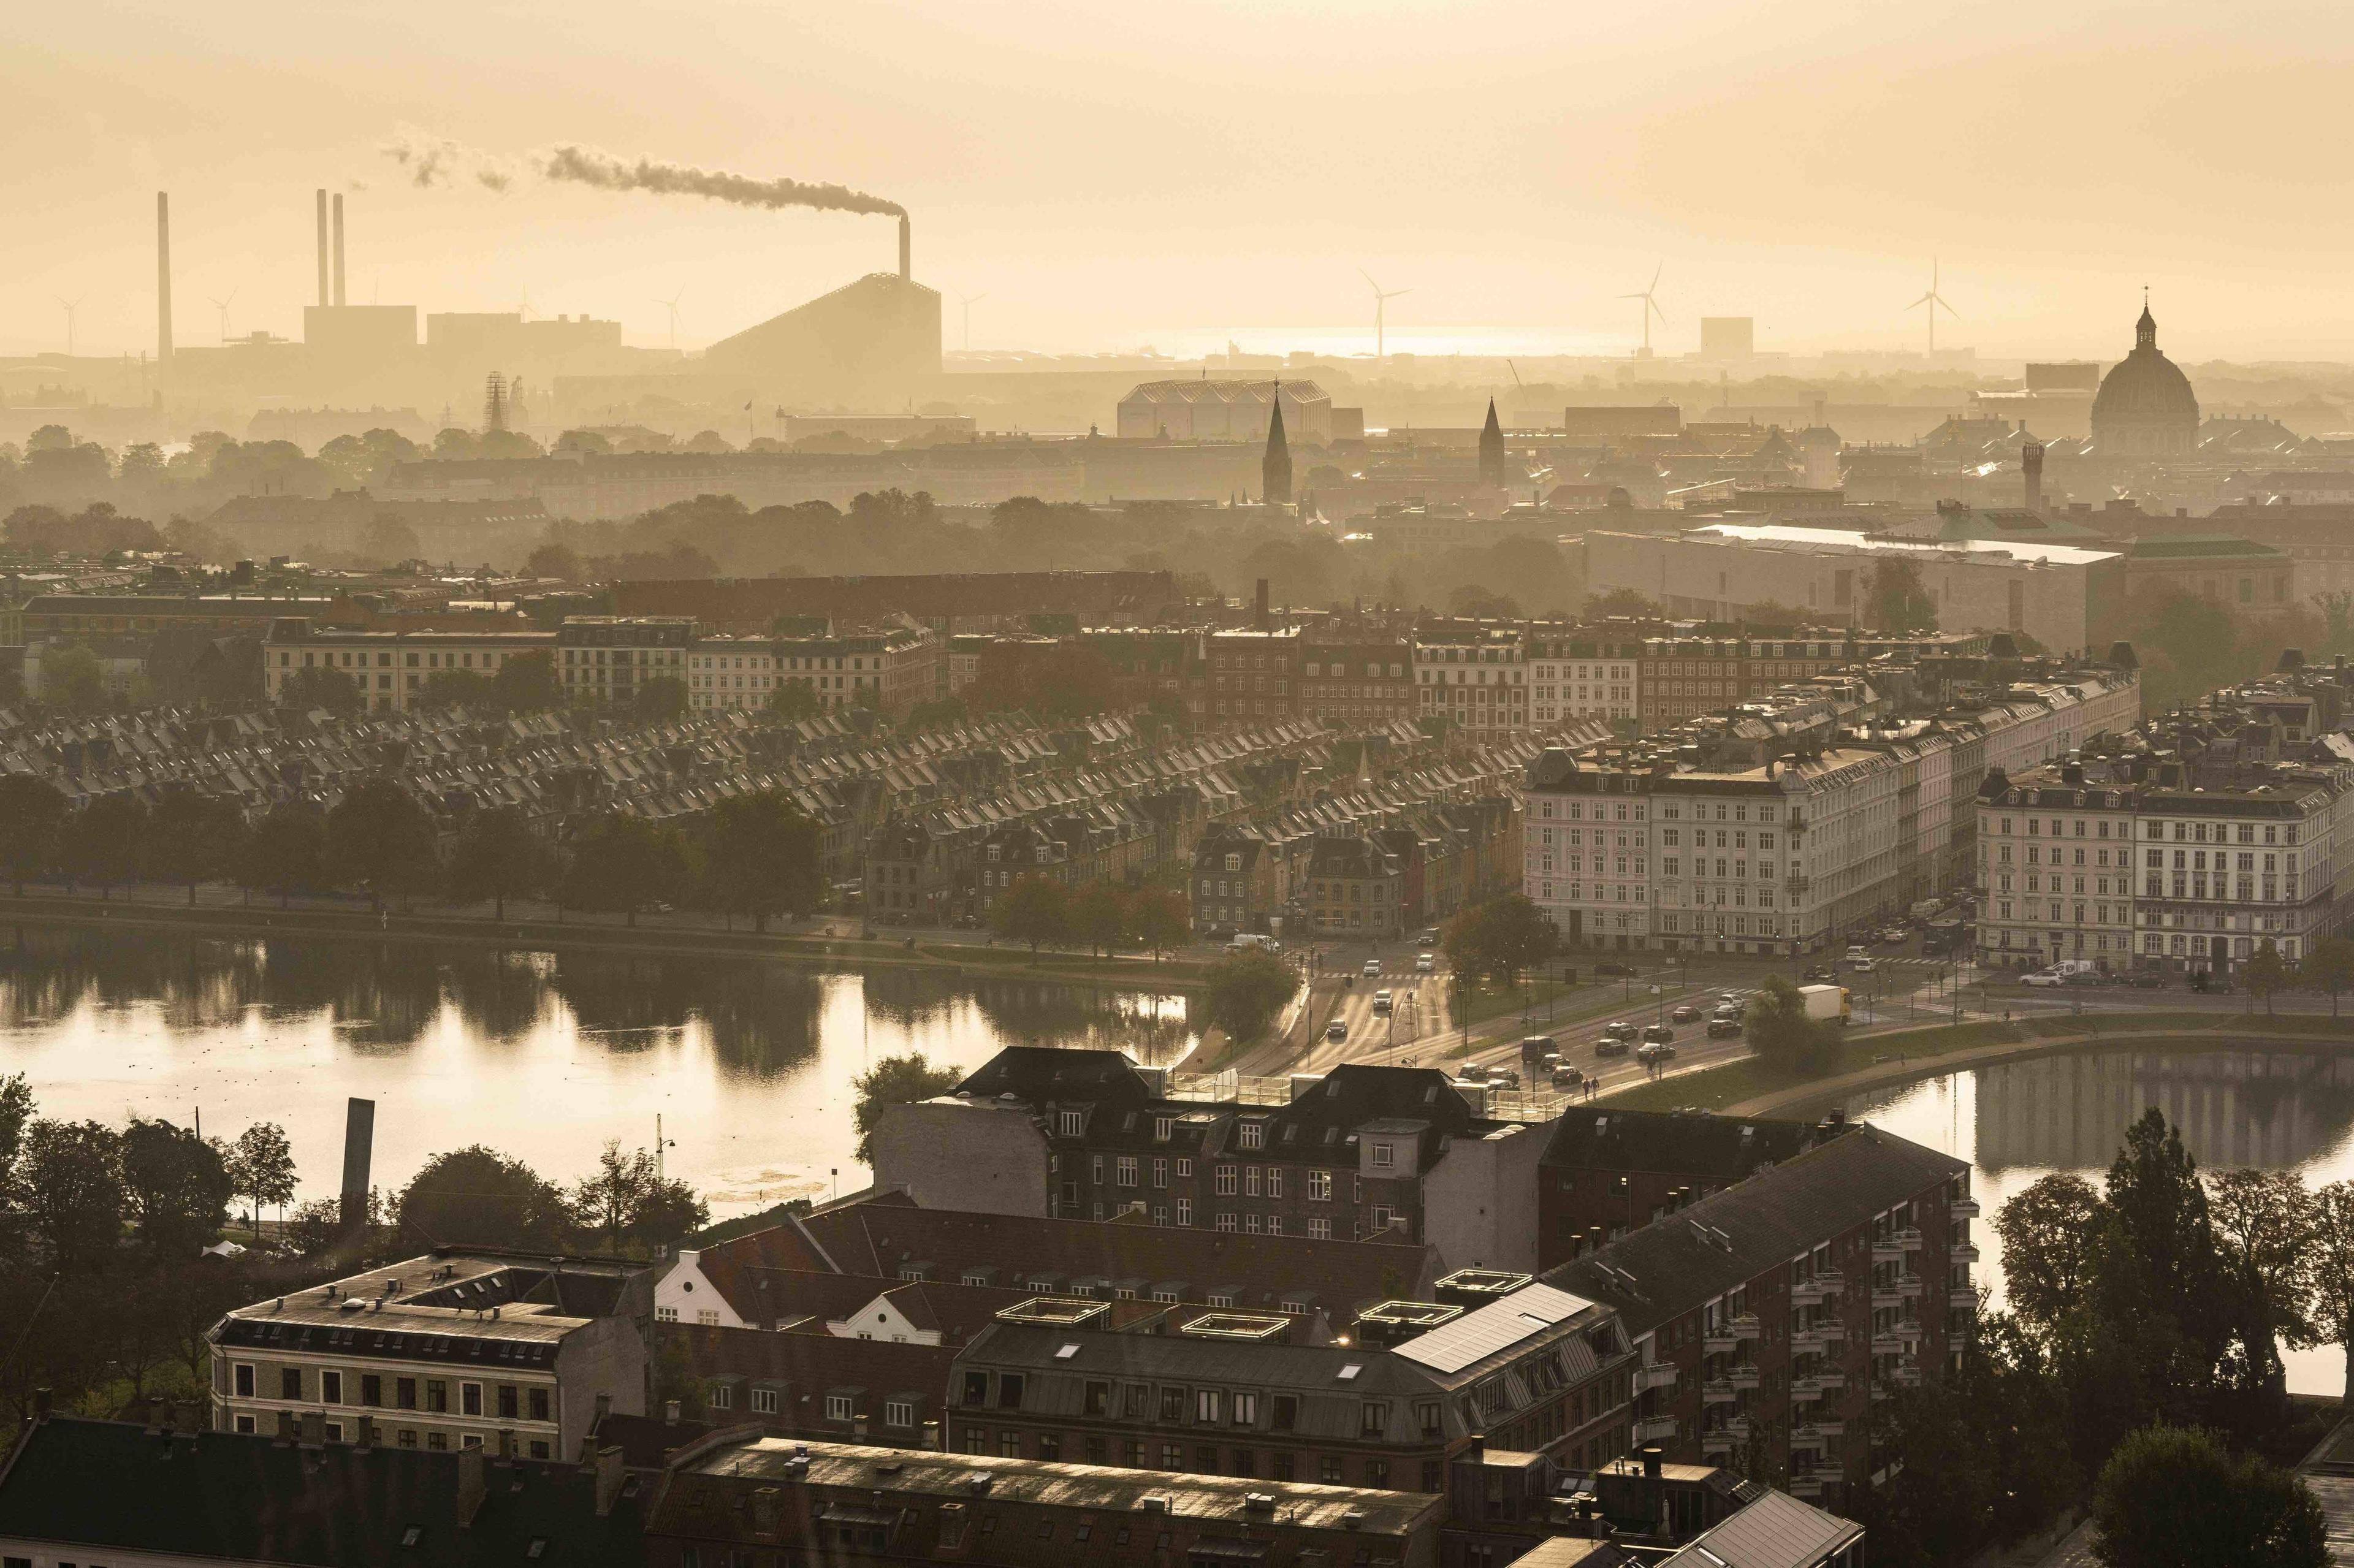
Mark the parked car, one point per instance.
(1684, 1013)
(1615, 971)
(2147, 979)
(1658, 1034)
(1337, 1030)
(2043, 977)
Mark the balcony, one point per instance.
(1655, 1429)
(1822, 1287)
(1887, 1249)
(1738, 1429)
(1961, 1209)
(1820, 1336)
(1962, 1299)
(1965, 1252)
(1831, 1379)
(1746, 1377)
(1744, 1326)
(1658, 1374)
(1908, 1288)
(1909, 1239)
(1816, 1433)
(1910, 1333)
(1720, 1341)
(1823, 1473)
(1718, 1442)
(1805, 1390)
(1806, 1487)
(1887, 1344)
(1717, 1391)
(1908, 1374)
(1884, 1297)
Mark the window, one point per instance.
(509, 1406)
(1244, 1406)
(1320, 1187)
(436, 1395)
(1283, 1412)
(1227, 1181)
(898, 1413)
(1382, 1154)
(721, 1397)
(1205, 1406)
(837, 1405)
(976, 1388)
(331, 1390)
(470, 1399)
(764, 1402)
(1070, 1123)
(290, 1382)
(1009, 1391)
(371, 1388)
(1254, 1135)
(244, 1381)
(1373, 1419)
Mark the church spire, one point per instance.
(2146, 329)
(1275, 467)
(1491, 449)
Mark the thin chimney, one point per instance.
(2030, 464)
(906, 250)
(339, 247)
(164, 277)
(325, 297)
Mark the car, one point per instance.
(1895, 935)
(1472, 1073)
(1684, 1013)
(1818, 974)
(1382, 1003)
(1430, 935)
(2088, 977)
(1855, 952)
(1655, 1051)
(1658, 1034)
(1504, 1077)
(1621, 1030)
(1615, 971)
(1568, 1077)
(2043, 977)
(1610, 1045)
(1862, 966)
(1373, 967)
(2147, 979)
(1425, 964)
(1723, 1028)
(1337, 1030)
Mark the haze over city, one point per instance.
(1113, 180)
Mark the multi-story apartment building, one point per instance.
(1771, 1317)
(724, 672)
(391, 668)
(1474, 676)
(457, 1348)
(730, 1498)
(1539, 1371)
(1577, 672)
(1356, 889)
(889, 668)
(78, 615)
(1684, 676)
(1243, 878)
(1779, 827)
(1250, 676)
(2188, 846)
(610, 658)
(1363, 1152)
(1358, 682)
(1615, 1171)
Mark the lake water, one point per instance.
(542, 1055)
(2021, 1120)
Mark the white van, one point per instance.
(1244, 941)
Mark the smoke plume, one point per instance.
(427, 159)
(582, 166)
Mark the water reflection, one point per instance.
(542, 1054)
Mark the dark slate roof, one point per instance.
(1766, 1221)
(646, 1442)
(1676, 1142)
(1777, 1531)
(109, 1487)
(1041, 1073)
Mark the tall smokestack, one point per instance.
(906, 249)
(339, 247)
(162, 276)
(2031, 465)
(324, 298)
(359, 1148)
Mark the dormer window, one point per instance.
(1234, 863)
(1254, 1135)
(1070, 1123)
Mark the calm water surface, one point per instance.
(543, 1055)
(2286, 1112)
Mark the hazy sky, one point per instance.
(1113, 175)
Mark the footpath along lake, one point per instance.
(542, 1055)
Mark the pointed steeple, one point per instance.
(2146, 329)
(1275, 468)
(1491, 449)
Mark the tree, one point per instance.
(763, 856)
(630, 1200)
(2050, 1237)
(894, 1081)
(2263, 975)
(2174, 1496)
(286, 850)
(1895, 601)
(177, 1187)
(15, 1116)
(71, 1182)
(1245, 991)
(72, 679)
(456, 689)
(106, 840)
(1626, 602)
(1100, 913)
(2161, 1207)
(2263, 1222)
(659, 700)
(622, 864)
(790, 702)
(1779, 1031)
(525, 683)
(2330, 1268)
(1035, 909)
(379, 838)
(2331, 967)
(1500, 939)
(477, 1196)
(261, 1167)
(194, 837)
(498, 857)
(318, 687)
(32, 827)
(1161, 920)
(315, 1227)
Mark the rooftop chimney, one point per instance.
(324, 298)
(339, 247)
(164, 277)
(907, 244)
(473, 1486)
(2030, 464)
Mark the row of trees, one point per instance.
(1101, 916)
(525, 682)
(2142, 1347)
(752, 855)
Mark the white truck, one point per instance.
(1825, 1003)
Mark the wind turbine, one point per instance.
(71, 306)
(1935, 302)
(971, 300)
(1381, 325)
(222, 306)
(671, 305)
(1651, 307)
